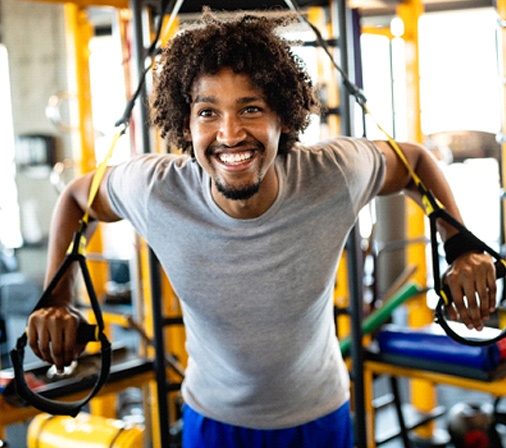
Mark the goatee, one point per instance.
(238, 193)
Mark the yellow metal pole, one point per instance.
(175, 335)
(422, 393)
(78, 34)
(501, 37)
(501, 10)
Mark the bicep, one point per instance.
(101, 208)
(397, 177)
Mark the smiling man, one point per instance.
(249, 226)
(235, 136)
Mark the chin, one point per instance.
(238, 193)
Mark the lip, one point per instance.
(235, 162)
(237, 158)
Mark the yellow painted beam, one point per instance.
(496, 388)
(86, 3)
(501, 36)
(79, 31)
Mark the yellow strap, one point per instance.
(427, 203)
(99, 175)
(82, 245)
(395, 147)
(95, 185)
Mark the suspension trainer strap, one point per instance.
(465, 241)
(85, 332)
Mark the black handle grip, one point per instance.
(87, 333)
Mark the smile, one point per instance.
(235, 158)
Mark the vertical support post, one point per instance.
(141, 112)
(355, 272)
(78, 31)
(159, 343)
(501, 55)
(142, 141)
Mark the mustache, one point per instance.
(244, 145)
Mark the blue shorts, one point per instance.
(331, 431)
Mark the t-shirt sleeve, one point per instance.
(363, 167)
(128, 187)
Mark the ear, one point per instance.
(285, 129)
(186, 130)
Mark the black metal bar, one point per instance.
(172, 321)
(315, 43)
(354, 256)
(142, 140)
(141, 112)
(332, 111)
(159, 344)
(354, 260)
(339, 13)
(394, 384)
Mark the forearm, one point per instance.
(52, 329)
(66, 219)
(471, 275)
(429, 172)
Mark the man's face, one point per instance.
(235, 133)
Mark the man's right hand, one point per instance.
(52, 334)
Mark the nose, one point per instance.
(231, 131)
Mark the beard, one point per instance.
(240, 193)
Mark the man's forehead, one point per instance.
(225, 83)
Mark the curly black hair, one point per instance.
(247, 44)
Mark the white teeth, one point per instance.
(231, 158)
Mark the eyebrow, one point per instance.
(243, 100)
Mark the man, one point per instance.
(249, 227)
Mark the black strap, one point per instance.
(85, 334)
(433, 208)
(443, 291)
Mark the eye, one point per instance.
(206, 113)
(252, 110)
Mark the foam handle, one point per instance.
(87, 333)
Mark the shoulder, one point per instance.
(339, 152)
(150, 166)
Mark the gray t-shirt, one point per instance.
(256, 294)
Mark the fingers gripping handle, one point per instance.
(445, 298)
(500, 272)
(85, 333)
